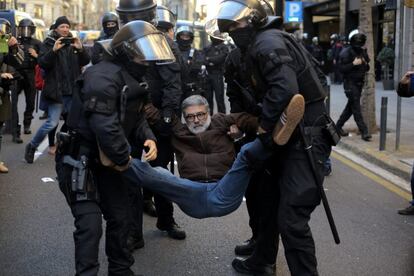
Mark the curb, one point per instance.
(393, 166)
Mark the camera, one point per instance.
(67, 41)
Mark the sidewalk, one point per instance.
(397, 162)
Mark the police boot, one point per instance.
(366, 137)
(16, 135)
(27, 130)
(289, 120)
(246, 266)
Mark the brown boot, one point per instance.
(3, 168)
(289, 120)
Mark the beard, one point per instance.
(196, 129)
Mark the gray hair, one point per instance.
(194, 100)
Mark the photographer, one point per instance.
(406, 89)
(26, 78)
(62, 57)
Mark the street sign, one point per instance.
(293, 11)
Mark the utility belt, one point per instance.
(75, 173)
(327, 129)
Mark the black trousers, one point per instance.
(267, 240)
(88, 222)
(299, 196)
(215, 87)
(27, 84)
(253, 199)
(163, 206)
(353, 90)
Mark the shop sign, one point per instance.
(293, 11)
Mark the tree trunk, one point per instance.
(368, 93)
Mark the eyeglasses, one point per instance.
(200, 116)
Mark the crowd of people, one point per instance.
(143, 95)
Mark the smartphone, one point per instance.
(412, 82)
(67, 41)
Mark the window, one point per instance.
(38, 11)
(21, 7)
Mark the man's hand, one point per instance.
(12, 41)
(58, 45)
(260, 130)
(406, 78)
(152, 150)
(152, 114)
(33, 52)
(77, 43)
(6, 76)
(357, 61)
(234, 132)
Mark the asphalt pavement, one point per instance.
(36, 228)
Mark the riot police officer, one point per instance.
(195, 74)
(110, 27)
(354, 63)
(261, 194)
(26, 77)
(164, 82)
(215, 55)
(317, 51)
(106, 120)
(280, 68)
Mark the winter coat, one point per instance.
(61, 68)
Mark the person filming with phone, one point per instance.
(61, 56)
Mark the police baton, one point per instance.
(308, 149)
(37, 101)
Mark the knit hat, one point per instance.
(61, 20)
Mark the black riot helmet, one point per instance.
(107, 18)
(357, 39)
(26, 28)
(184, 37)
(267, 7)
(141, 42)
(166, 19)
(130, 10)
(5, 27)
(230, 11)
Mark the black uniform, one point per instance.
(26, 82)
(215, 56)
(261, 194)
(281, 68)
(165, 92)
(353, 83)
(193, 79)
(116, 127)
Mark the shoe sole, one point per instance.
(289, 120)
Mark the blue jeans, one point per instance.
(54, 111)
(201, 200)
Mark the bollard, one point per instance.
(328, 99)
(383, 126)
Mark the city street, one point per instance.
(36, 229)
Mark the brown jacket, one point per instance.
(209, 155)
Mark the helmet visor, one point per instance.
(152, 47)
(212, 29)
(228, 13)
(25, 31)
(148, 16)
(4, 29)
(166, 16)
